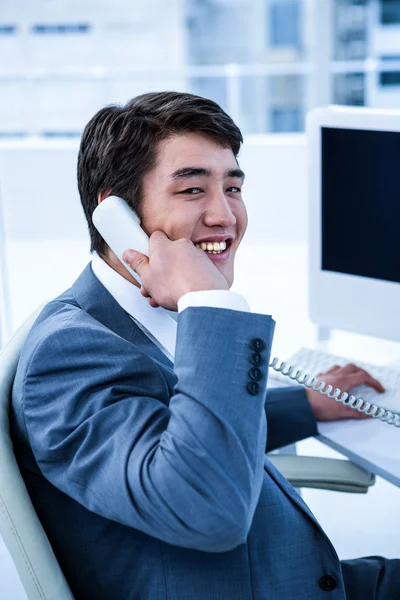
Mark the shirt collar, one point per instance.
(156, 320)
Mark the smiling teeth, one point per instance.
(212, 247)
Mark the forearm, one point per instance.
(217, 427)
(289, 415)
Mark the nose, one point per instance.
(219, 212)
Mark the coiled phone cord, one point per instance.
(372, 410)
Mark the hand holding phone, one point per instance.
(175, 268)
(166, 269)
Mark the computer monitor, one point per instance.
(354, 220)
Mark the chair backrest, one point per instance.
(20, 527)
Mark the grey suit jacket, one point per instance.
(150, 479)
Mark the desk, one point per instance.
(368, 444)
(373, 445)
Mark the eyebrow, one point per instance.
(187, 172)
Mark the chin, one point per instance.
(228, 276)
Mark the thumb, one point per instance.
(136, 260)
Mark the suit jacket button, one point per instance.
(255, 374)
(327, 583)
(257, 344)
(253, 387)
(256, 359)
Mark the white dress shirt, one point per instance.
(157, 323)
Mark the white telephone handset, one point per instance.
(120, 227)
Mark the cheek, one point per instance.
(182, 221)
(157, 216)
(242, 219)
(151, 217)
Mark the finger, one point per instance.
(157, 237)
(144, 292)
(374, 383)
(153, 303)
(369, 380)
(361, 377)
(136, 260)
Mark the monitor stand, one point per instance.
(323, 335)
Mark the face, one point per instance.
(195, 192)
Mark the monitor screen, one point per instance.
(361, 203)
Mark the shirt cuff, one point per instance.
(213, 299)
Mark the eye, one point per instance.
(192, 191)
(234, 189)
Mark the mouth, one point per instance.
(215, 247)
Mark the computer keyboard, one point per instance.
(312, 362)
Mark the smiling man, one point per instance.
(201, 202)
(142, 441)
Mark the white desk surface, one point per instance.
(373, 445)
(370, 444)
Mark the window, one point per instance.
(349, 89)
(389, 78)
(60, 29)
(8, 29)
(286, 119)
(13, 134)
(390, 12)
(60, 133)
(284, 23)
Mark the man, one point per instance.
(146, 464)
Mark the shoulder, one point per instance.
(69, 355)
(61, 320)
(64, 336)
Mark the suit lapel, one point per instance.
(92, 296)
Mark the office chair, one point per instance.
(20, 527)
(23, 533)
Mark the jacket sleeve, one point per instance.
(289, 415)
(189, 473)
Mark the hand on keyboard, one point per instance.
(366, 382)
(347, 378)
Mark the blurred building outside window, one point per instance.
(284, 23)
(390, 12)
(6, 29)
(267, 62)
(61, 29)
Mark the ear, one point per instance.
(103, 195)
